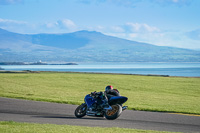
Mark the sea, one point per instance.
(165, 69)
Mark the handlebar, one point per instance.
(95, 94)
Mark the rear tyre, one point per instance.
(81, 110)
(114, 113)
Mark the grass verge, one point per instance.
(148, 93)
(16, 127)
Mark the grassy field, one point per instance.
(150, 93)
(16, 127)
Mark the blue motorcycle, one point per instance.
(92, 107)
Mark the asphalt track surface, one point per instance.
(54, 113)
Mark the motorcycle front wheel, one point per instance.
(81, 110)
(114, 113)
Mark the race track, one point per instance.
(44, 112)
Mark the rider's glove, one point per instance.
(93, 94)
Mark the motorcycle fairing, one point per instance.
(89, 100)
(117, 100)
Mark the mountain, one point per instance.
(86, 46)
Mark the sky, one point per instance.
(173, 23)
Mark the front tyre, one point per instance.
(80, 110)
(114, 113)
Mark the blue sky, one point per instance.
(160, 22)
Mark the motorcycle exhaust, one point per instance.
(124, 108)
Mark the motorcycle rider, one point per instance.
(103, 97)
(110, 92)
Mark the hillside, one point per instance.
(84, 46)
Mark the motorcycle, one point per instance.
(91, 107)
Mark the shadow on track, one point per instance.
(69, 117)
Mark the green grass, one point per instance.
(16, 127)
(150, 93)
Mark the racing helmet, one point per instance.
(109, 87)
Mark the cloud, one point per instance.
(138, 27)
(117, 29)
(133, 3)
(20, 26)
(172, 2)
(51, 25)
(127, 28)
(59, 26)
(153, 35)
(127, 3)
(65, 24)
(131, 31)
(143, 32)
(136, 32)
(17, 26)
(195, 34)
(9, 24)
(10, 2)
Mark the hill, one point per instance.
(84, 46)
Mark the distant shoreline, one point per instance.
(182, 70)
(29, 71)
(36, 63)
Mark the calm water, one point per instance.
(172, 69)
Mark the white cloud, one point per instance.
(172, 2)
(133, 3)
(60, 26)
(133, 35)
(137, 27)
(141, 32)
(8, 22)
(14, 25)
(135, 31)
(150, 34)
(150, 28)
(117, 29)
(195, 34)
(66, 23)
(127, 3)
(51, 25)
(8, 2)
(175, 1)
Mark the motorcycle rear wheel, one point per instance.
(81, 110)
(114, 113)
